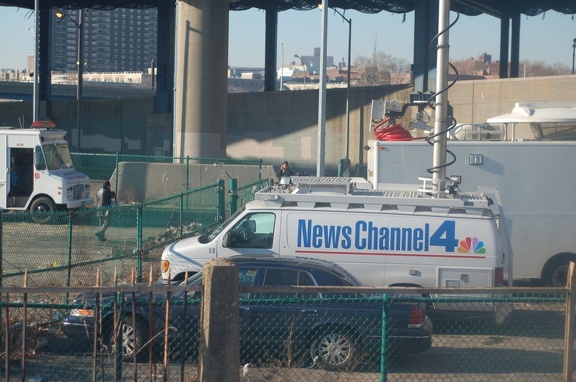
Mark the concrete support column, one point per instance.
(271, 43)
(425, 28)
(515, 48)
(504, 46)
(201, 88)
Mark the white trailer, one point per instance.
(529, 155)
(39, 175)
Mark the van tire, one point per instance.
(40, 206)
(555, 272)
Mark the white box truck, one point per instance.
(386, 238)
(529, 156)
(39, 175)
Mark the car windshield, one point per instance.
(224, 224)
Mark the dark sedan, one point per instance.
(334, 331)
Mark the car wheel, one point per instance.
(334, 350)
(133, 339)
(42, 205)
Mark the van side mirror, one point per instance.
(227, 240)
(252, 225)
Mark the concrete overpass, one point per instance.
(200, 47)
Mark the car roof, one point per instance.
(297, 261)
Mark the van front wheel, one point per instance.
(41, 206)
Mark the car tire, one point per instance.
(334, 349)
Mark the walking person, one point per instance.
(104, 198)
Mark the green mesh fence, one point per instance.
(139, 178)
(102, 166)
(65, 250)
(310, 336)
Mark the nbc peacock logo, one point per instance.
(471, 245)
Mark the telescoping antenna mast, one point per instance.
(441, 107)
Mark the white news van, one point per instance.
(39, 175)
(385, 238)
(529, 156)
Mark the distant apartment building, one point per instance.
(115, 40)
(31, 63)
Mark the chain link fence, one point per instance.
(280, 338)
(66, 250)
(141, 178)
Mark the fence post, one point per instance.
(116, 171)
(219, 326)
(384, 338)
(69, 272)
(233, 201)
(569, 329)
(260, 162)
(220, 208)
(1, 248)
(181, 221)
(139, 229)
(187, 172)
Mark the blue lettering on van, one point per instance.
(365, 235)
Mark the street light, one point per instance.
(573, 54)
(303, 66)
(349, 21)
(80, 64)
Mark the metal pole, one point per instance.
(282, 68)
(348, 92)
(441, 114)
(303, 67)
(322, 97)
(573, 54)
(36, 100)
(80, 70)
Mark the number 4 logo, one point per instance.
(445, 236)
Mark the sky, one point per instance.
(547, 37)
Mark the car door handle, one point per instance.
(309, 311)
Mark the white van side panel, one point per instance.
(393, 248)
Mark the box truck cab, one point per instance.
(39, 175)
(384, 237)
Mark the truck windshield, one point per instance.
(224, 224)
(57, 156)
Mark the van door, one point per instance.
(253, 234)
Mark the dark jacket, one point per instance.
(104, 196)
(285, 172)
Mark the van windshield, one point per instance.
(57, 156)
(224, 224)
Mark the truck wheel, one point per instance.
(555, 273)
(40, 206)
